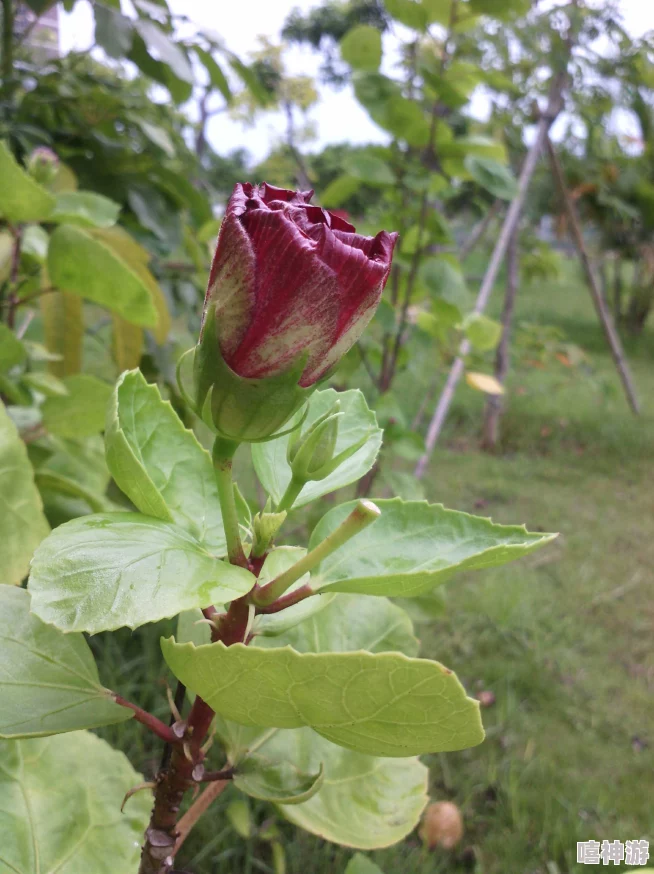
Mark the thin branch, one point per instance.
(149, 720)
(196, 810)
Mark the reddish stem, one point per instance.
(155, 725)
(288, 600)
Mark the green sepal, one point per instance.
(240, 409)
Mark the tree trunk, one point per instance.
(495, 403)
(617, 290)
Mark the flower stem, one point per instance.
(364, 514)
(292, 491)
(223, 454)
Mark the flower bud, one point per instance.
(309, 456)
(43, 165)
(292, 286)
(264, 527)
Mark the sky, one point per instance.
(336, 118)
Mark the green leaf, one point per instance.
(360, 864)
(45, 383)
(503, 9)
(110, 570)
(364, 802)
(445, 279)
(81, 412)
(369, 169)
(278, 781)
(81, 264)
(34, 243)
(63, 328)
(85, 208)
(167, 51)
(12, 350)
(22, 199)
(216, 75)
(356, 422)
(340, 190)
(240, 818)
(22, 522)
(361, 48)
(114, 32)
(60, 803)
(483, 333)
(48, 680)
(493, 176)
(413, 546)
(349, 623)
(408, 12)
(383, 704)
(157, 135)
(49, 482)
(159, 464)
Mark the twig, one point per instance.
(149, 720)
(196, 810)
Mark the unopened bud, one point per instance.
(43, 165)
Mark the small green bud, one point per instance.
(43, 165)
(309, 455)
(265, 526)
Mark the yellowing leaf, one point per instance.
(63, 327)
(484, 382)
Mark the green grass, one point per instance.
(563, 638)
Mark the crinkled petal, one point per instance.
(297, 299)
(362, 266)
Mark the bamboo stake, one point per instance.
(599, 301)
(495, 403)
(554, 106)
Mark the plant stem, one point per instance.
(292, 491)
(155, 725)
(288, 600)
(196, 810)
(7, 48)
(364, 514)
(158, 852)
(223, 454)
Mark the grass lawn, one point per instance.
(563, 638)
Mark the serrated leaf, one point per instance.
(361, 48)
(356, 422)
(277, 781)
(126, 343)
(63, 328)
(413, 546)
(48, 680)
(81, 412)
(109, 570)
(81, 264)
(86, 209)
(383, 704)
(60, 803)
(159, 464)
(22, 522)
(484, 382)
(12, 350)
(22, 199)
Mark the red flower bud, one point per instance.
(291, 282)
